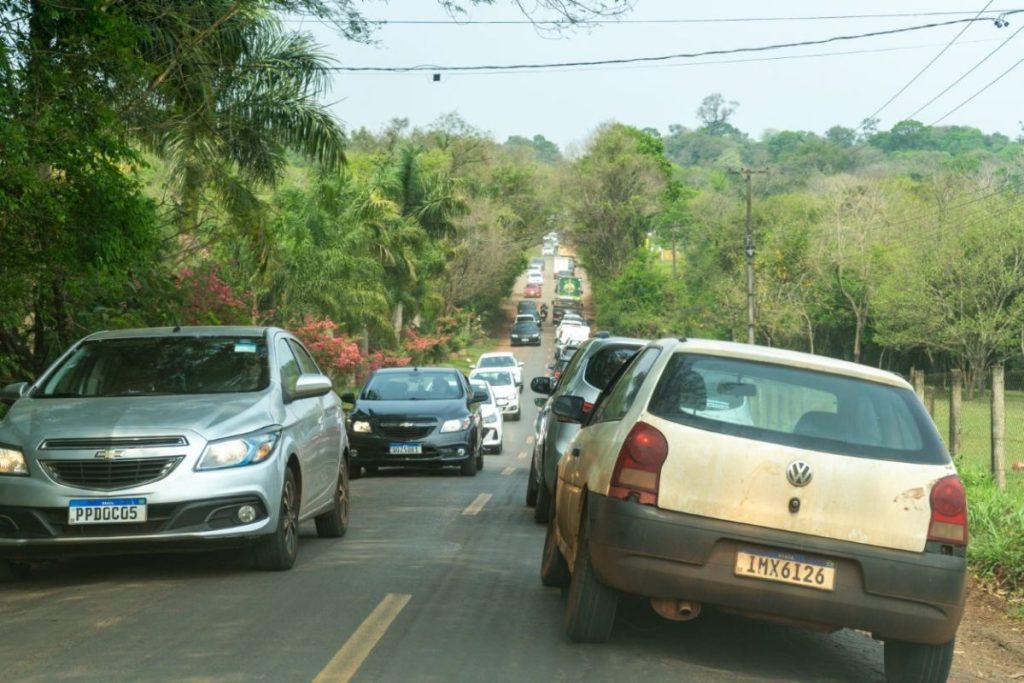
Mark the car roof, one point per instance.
(797, 359)
(187, 331)
(493, 354)
(414, 368)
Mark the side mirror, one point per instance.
(569, 408)
(12, 392)
(541, 385)
(348, 398)
(310, 385)
(521, 363)
(473, 366)
(479, 396)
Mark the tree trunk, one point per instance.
(998, 426)
(396, 320)
(955, 407)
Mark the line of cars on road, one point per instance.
(767, 483)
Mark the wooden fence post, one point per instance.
(956, 401)
(917, 380)
(998, 425)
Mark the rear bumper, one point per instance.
(917, 597)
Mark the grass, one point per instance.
(469, 355)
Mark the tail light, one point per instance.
(637, 472)
(949, 512)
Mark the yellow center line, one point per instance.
(522, 456)
(478, 504)
(508, 470)
(529, 440)
(346, 661)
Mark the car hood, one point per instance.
(213, 416)
(444, 408)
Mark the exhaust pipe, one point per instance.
(676, 610)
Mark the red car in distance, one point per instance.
(532, 291)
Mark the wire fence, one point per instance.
(976, 419)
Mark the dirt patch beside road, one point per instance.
(990, 642)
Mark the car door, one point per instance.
(595, 447)
(304, 425)
(330, 444)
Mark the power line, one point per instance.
(926, 67)
(747, 60)
(590, 22)
(965, 74)
(983, 89)
(659, 58)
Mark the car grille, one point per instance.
(113, 442)
(407, 429)
(107, 475)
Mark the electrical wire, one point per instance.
(658, 58)
(983, 89)
(591, 22)
(965, 74)
(921, 72)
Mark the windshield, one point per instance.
(412, 385)
(796, 407)
(496, 378)
(497, 362)
(154, 366)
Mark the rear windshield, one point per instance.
(160, 366)
(497, 362)
(795, 407)
(496, 378)
(413, 385)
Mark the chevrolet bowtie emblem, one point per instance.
(109, 454)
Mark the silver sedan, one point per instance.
(167, 438)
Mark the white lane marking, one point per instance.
(478, 504)
(508, 470)
(522, 456)
(529, 441)
(346, 661)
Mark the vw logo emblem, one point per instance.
(799, 473)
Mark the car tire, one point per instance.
(334, 522)
(277, 551)
(518, 414)
(590, 609)
(541, 512)
(355, 472)
(531, 488)
(468, 468)
(14, 571)
(501, 447)
(554, 571)
(370, 469)
(480, 462)
(917, 662)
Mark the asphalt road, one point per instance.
(437, 580)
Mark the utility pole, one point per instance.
(748, 249)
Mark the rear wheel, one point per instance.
(277, 552)
(542, 509)
(334, 522)
(917, 662)
(554, 572)
(590, 610)
(531, 488)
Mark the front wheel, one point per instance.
(277, 552)
(334, 522)
(541, 512)
(554, 572)
(531, 488)
(468, 468)
(917, 662)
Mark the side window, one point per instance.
(605, 363)
(288, 366)
(624, 391)
(570, 370)
(306, 363)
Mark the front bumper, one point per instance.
(916, 597)
(525, 339)
(437, 450)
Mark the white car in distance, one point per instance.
(504, 388)
(494, 423)
(535, 277)
(501, 359)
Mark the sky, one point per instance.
(566, 104)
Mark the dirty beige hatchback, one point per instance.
(768, 483)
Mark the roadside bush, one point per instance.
(996, 518)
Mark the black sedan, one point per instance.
(525, 332)
(416, 417)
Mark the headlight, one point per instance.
(242, 450)
(491, 419)
(456, 425)
(361, 427)
(12, 461)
